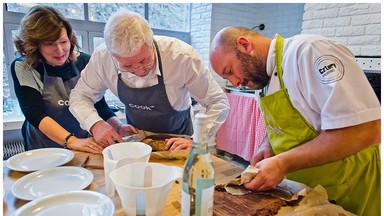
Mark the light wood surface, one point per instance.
(224, 172)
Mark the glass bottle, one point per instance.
(198, 174)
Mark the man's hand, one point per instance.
(104, 134)
(271, 173)
(127, 130)
(178, 144)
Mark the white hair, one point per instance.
(125, 32)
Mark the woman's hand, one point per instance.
(85, 145)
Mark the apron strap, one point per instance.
(159, 57)
(279, 63)
(279, 59)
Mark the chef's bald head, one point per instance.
(225, 41)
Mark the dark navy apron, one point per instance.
(55, 97)
(149, 108)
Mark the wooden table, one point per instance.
(224, 172)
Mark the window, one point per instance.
(169, 16)
(99, 12)
(69, 10)
(88, 20)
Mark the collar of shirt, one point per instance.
(273, 84)
(271, 62)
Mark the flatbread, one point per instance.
(249, 204)
(157, 145)
(234, 199)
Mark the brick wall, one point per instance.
(358, 26)
(207, 19)
(201, 17)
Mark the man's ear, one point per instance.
(244, 45)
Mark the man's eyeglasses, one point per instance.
(145, 64)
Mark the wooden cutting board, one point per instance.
(248, 204)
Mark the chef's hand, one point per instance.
(104, 134)
(264, 151)
(127, 130)
(84, 144)
(271, 173)
(178, 143)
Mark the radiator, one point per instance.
(12, 143)
(12, 148)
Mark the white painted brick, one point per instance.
(308, 15)
(311, 6)
(355, 9)
(371, 51)
(310, 24)
(328, 13)
(362, 34)
(364, 40)
(349, 31)
(375, 8)
(339, 5)
(206, 15)
(341, 40)
(366, 19)
(336, 22)
(374, 29)
(200, 9)
(356, 50)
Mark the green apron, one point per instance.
(353, 182)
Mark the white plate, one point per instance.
(39, 159)
(50, 181)
(73, 203)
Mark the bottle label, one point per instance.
(203, 198)
(185, 201)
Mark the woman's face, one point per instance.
(56, 52)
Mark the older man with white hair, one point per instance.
(154, 76)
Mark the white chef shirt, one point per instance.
(324, 82)
(185, 75)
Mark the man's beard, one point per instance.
(253, 69)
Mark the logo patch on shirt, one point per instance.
(329, 69)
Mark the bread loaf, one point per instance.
(157, 145)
